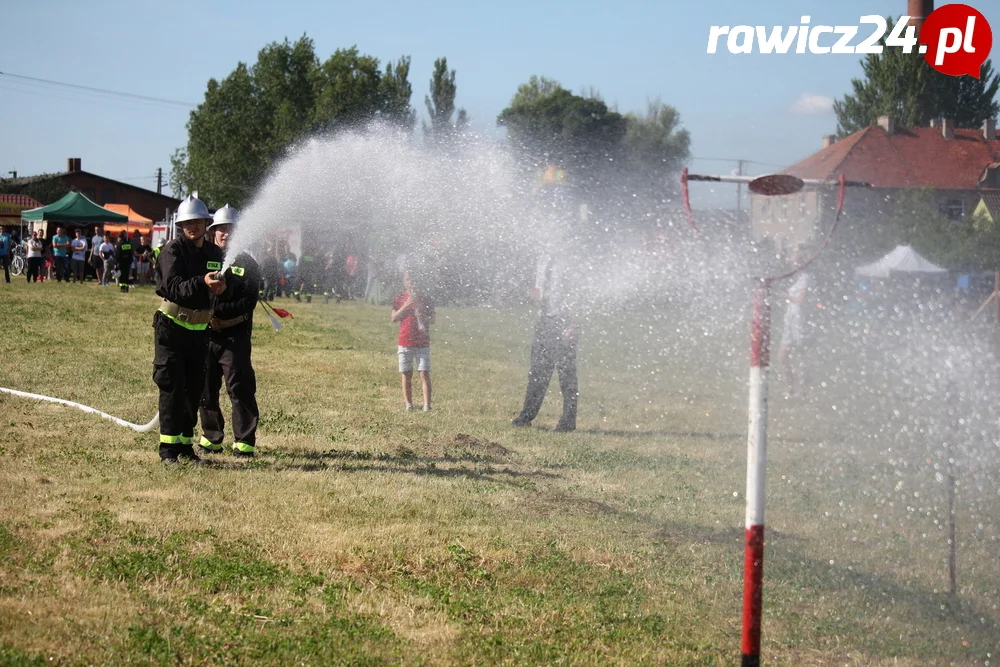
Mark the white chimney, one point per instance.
(887, 124)
(829, 140)
(948, 128)
(989, 129)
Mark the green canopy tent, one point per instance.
(73, 210)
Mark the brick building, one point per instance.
(102, 190)
(961, 166)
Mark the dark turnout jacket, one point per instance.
(181, 269)
(242, 291)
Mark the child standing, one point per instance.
(415, 314)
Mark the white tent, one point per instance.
(903, 259)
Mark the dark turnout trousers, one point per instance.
(229, 360)
(179, 372)
(552, 351)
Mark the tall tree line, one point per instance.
(549, 123)
(250, 119)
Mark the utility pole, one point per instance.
(159, 180)
(739, 193)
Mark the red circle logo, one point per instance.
(956, 40)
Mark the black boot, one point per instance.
(186, 453)
(566, 425)
(168, 453)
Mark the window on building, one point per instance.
(108, 196)
(991, 179)
(89, 193)
(953, 208)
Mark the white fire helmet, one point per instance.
(227, 215)
(192, 208)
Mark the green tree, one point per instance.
(916, 220)
(545, 119)
(286, 75)
(229, 142)
(348, 89)
(353, 90)
(46, 188)
(904, 86)
(249, 120)
(655, 144)
(396, 92)
(441, 103)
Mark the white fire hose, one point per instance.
(140, 428)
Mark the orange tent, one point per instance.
(135, 221)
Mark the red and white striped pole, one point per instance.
(760, 335)
(753, 563)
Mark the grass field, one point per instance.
(362, 534)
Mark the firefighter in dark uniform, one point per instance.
(187, 277)
(229, 349)
(124, 253)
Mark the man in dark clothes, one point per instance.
(187, 276)
(123, 253)
(229, 349)
(556, 291)
(554, 346)
(271, 268)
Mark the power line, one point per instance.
(736, 159)
(99, 91)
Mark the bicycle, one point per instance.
(18, 260)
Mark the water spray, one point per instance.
(760, 334)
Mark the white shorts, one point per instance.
(407, 355)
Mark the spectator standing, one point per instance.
(290, 270)
(415, 314)
(791, 357)
(34, 250)
(106, 252)
(78, 260)
(95, 254)
(135, 241)
(271, 268)
(143, 254)
(60, 254)
(555, 344)
(5, 247)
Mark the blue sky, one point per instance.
(766, 108)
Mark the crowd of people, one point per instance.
(105, 258)
(319, 271)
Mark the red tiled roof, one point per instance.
(19, 200)
(911, 157)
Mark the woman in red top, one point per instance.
(415, 314)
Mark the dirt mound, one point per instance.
(491, 449)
